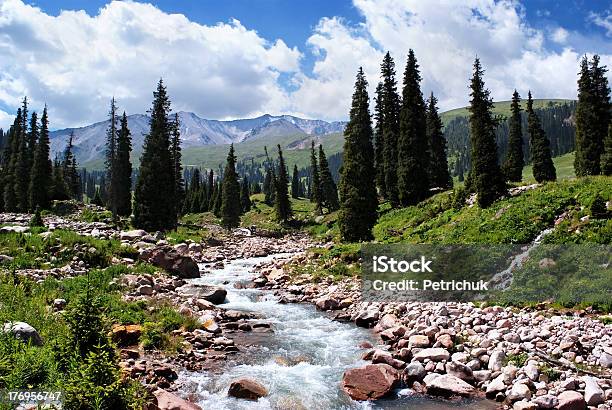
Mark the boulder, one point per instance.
(247, 389)
(382, 356)
(571, 400)
(370, 382)
(366, 318)
(593, 394)
(447, 385)
(519, 391)
(23, 332)
(132, 235)
(418, 341)
(414, 372)
(524, 405)
(211, 293)
(16, 229)
(175, 263)
(495, 386)
(547, 401)
(327, 302)
(126, 335)
(460, 371)
(168, 401)
(605, 360)
(435, 354)
(496, 361)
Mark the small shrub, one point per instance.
(460, 195)
(36, 220)
(598, 208)
(518, 360)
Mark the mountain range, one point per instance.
(89, 141)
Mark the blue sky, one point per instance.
(239, 58)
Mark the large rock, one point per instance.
(496, 361)
(213, 294)
(367, 318)
(247, 389)
(132, 235)
(593, 394)
(168, 401)
(127, 335)
(571, 400)
(435, 354)
(414, 372)
(24, 332)
(175, 263)
(447, 385)
(16, 229)
(370, 382)
(460, 370)
(327, 302)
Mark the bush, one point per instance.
(598, 208)
(153, 337)
(36, 220)
(460, 195)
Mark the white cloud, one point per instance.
(446, 35)
(603, 21)
(6, 120)
(76, 62)
(560, 35)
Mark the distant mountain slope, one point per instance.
(90, 141)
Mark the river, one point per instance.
(301, 362)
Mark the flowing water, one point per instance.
(301, 362)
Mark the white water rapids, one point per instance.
(301, 362)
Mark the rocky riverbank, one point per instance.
(521, 358)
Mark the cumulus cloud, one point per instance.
(560, 35)
(6, 120)
(75, 62)
(446, 35)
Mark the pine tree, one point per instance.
(33, 136)
(124, 169)
(70, 172)
(282, 204)
(439, 176)
(154, 202)
(245, 195)
(513, 167)
(316, 196)
(112, 173)
(606, 159)
(218, 199)
(602, 106)
(40, 178)
(59, 188)
(379, 141)
(543, 167)
(295, 183)
(175, 152)
(412, 154)
(358, 199)
(22, 167)
(588, 149)
(391, 109)
(329, 192)
(230, 197)
(485, 175)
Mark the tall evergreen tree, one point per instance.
(218, 200)
(154, 202)
(412, 147)
(606, 159)
(59, 189)
(543, 167)
(588, 140)
(316, 196)
(70, 171)
(439, 176)
(282, 204)
(329, 192)
(295, 183)
(33, 136)
(124, 169)
(112, 173)
(11, 154)
(230, 197)
(175, 152)
(358, 199)
(485, 175)
(379, 141)
(22, 162)
(40, 178)
(602, 107)
(391, 108)
(513, 167)
(245, 195)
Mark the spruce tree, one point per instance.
(391, 108)
(379, 142)
(33, 136)
(40, 178)
(230, 197)
(412, 147)
(295, 183)
(602, 107)
(154, 202)
(112, 173)
(513, 167)
(485, 176)
(245, 195)
(124, 169)
(218, 199)
(358, 199)
(22, 166)
(606, 159)
(70, 171)
(282, 204)
(543, 167)
(329, 192)
(12, 154)
(316, 196)
(439, 176)
(59, 188)
(268, 187)
(588, 147)
(175, 152)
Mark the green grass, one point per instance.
(564, 165)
